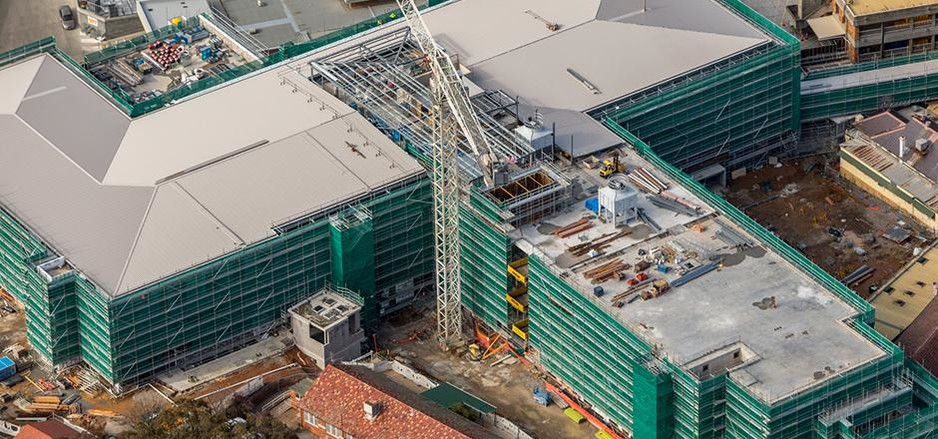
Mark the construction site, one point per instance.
(836, 224)
(560, 221)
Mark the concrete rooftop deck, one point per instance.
(800, 342)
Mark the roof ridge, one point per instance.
(133, 247)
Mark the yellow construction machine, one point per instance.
(611, 166)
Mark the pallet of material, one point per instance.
(105, 413)
(38, 407)
(47, 399)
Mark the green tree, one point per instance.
(192, 419)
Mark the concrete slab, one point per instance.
(783, 331)
(183, 380)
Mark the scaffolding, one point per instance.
(387, 80)
(735, 111)
(869, 401)
(379, 245)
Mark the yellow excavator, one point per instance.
(611, 166)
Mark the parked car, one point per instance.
(68, 19)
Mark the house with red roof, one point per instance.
(354, 402)
(51, 429)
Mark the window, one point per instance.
(909, 293)
(333, 431)
(736, 354)
(309, 418)
(920, 283)
(318, 335)
(899, 302)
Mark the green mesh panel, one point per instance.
(353, 257)
(652, 411)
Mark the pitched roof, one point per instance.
(50, 429)
(338, 396)
(131, 201)
(920, 339)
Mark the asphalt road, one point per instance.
(25, 21)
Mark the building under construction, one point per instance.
(141, 245)
(661, 307)
(191, 230)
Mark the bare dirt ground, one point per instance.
(506, 386)
(801, 207)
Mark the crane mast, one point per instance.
(453, 117)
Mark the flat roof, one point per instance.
(870, 7)
(612, 44)
(135, 200)
(797, 343)
(902, 300)
(856, 79)
(448, 395)
(325, 308)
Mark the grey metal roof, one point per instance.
(698, 16)
(155, 14)
(611, 43)
(82, 125)
(617, 58)
(129, 202)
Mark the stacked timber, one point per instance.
(47, 404)
(605, 271)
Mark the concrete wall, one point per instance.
(343, 341)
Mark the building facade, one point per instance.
(877, 29)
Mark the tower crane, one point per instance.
(452, 116)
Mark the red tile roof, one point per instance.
(920, 339)
(51, 429)
(338, 396)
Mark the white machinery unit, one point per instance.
(618, 202)
(538, 137)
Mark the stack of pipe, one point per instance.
(573, 228)
(646, 181)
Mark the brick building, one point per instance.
(354, 402)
